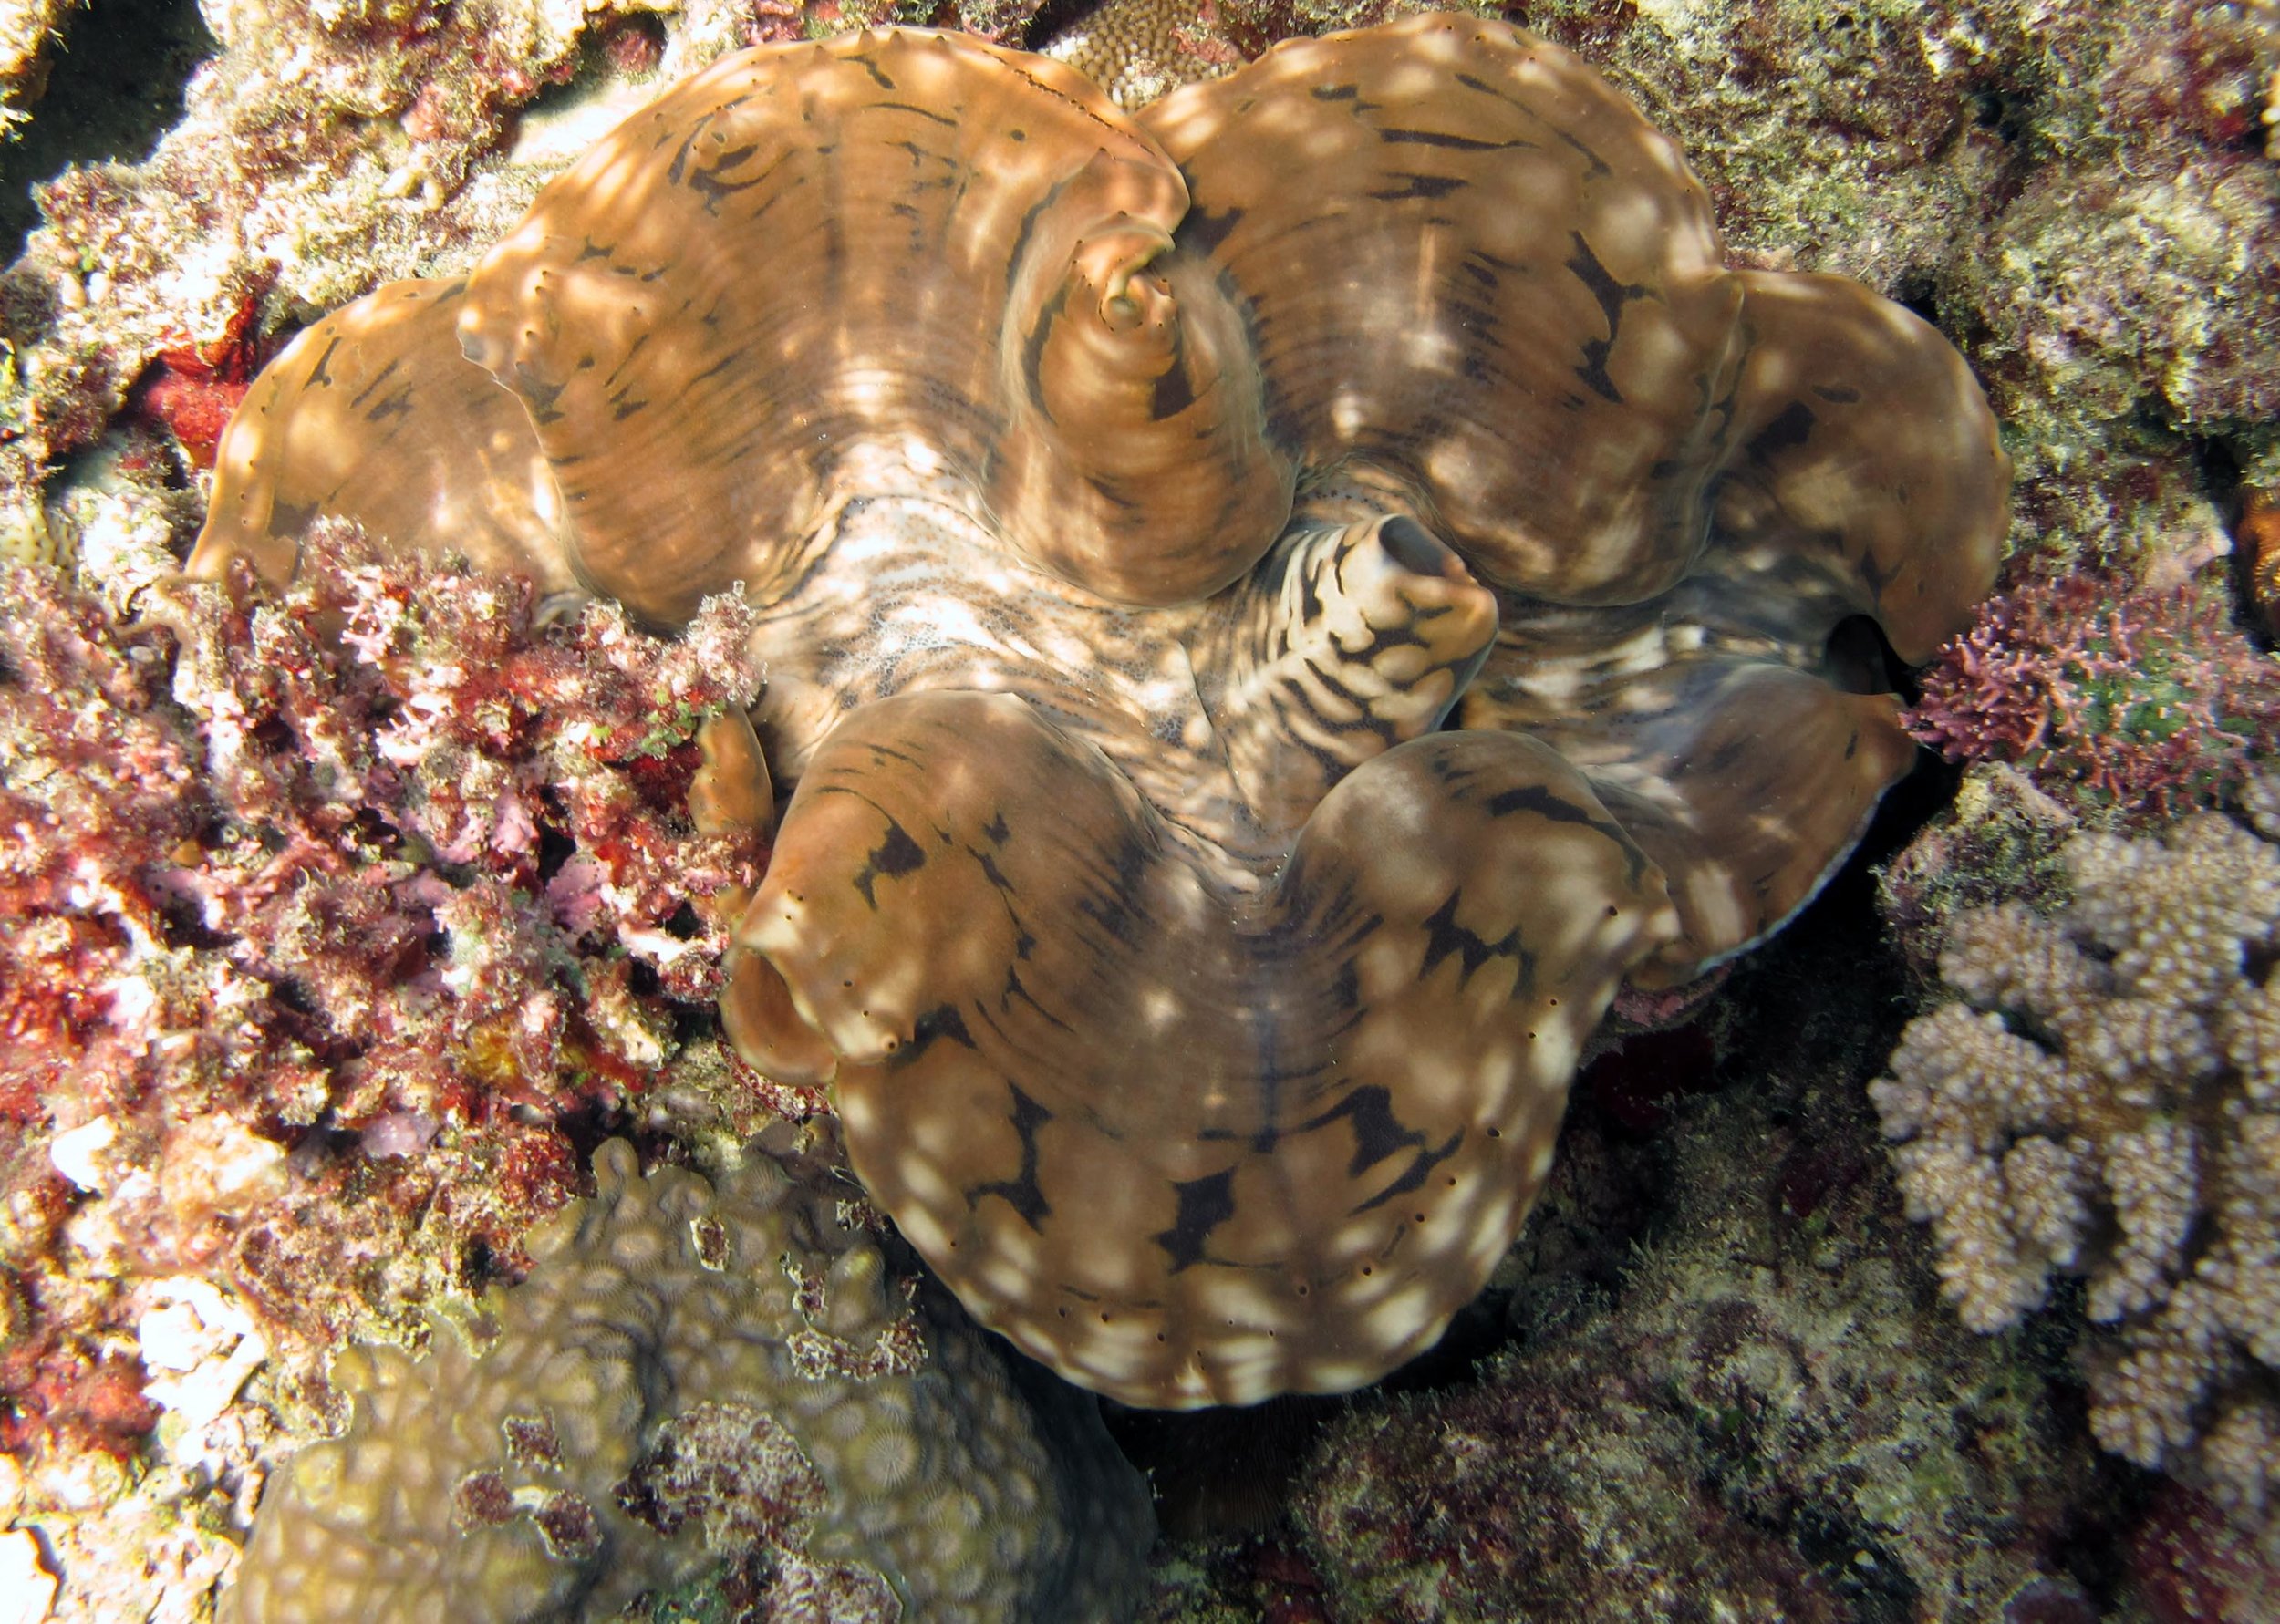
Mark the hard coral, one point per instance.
(2105, 1100)
(693, 1376)
(1082, 907)
(2137, 703)
(1141, 50)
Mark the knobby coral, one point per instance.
(2105, 1100)
(690, 1376)
(1136, 50)
(1122, 529)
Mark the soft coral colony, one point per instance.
(1272, 608)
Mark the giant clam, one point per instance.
(1274, 606)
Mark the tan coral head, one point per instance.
(1273, 608)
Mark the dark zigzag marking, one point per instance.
(1417, 187)
(1444, 936)
(1021, 1192)
(1204, 231)
(633, 349)
(1536, 799)
(1205, 1203)
(380, 378)
(1415, 1178)
(905, 107)
(1378, 1133)
(1612, 295)
(1598, 165)
(1456, 143)
(943, 1024)
(896, 855)
(1791, 427)
(1175, 391)
(715, 192)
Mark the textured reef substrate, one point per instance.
(1722, 1350)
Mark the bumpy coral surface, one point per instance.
(1084, 905)
(692, 1377)
(1140, 50)
(2104, 1099)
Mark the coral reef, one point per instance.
(2073, 192)
(401, 904)
(2259, 535)
(1049, 644)
(1141, 50)
(2104, 1099)
(2136, 703)
(694, 1377)
(27, 28)
(1999, 838)
(322, 814)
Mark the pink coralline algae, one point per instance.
(383, 856)
(2140, 701)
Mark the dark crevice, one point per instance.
(115, 84)
(2219, 474)
(2007, 111)
(621, 48)
(1056, 18)
(1222, 1472)
(1858, 660)
(1918, 293)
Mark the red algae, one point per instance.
(383, 856)
(2131, 701)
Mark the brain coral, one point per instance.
(1272, 608)
(691, 1375)
(2105, 1100)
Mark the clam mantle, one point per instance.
(1273, 608)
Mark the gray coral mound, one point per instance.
(692, 1378)
(2106, 1102)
